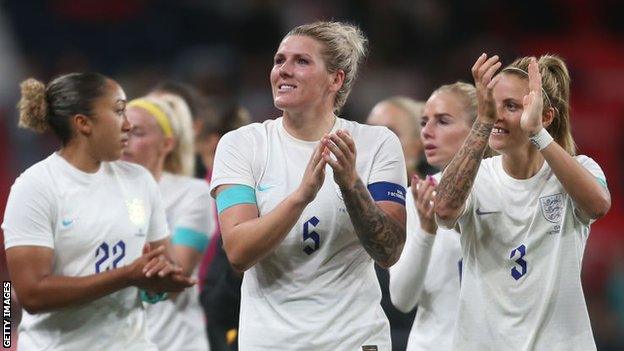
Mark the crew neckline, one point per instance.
(521, 182)
(76, 173)
(282, 129)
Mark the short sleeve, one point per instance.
(589, 164)
(233, 161)
(195, 225)
(158, 229)
(29, 215)
(389, 163)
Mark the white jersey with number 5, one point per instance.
(318, 289)
(522, 244)
(94, 222)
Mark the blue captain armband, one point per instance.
(386, 191)
(235, 195)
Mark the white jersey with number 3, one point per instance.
(522, 244)
(318, 289)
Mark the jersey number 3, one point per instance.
(309, 234)
(103, 253)
(519, 251)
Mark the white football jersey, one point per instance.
(180, 325)
(93, 222)
(318, 289)
(428, 274)
(522, 244)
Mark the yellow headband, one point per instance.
(156, 111)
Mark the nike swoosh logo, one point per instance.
(265, 187)
(67, 222)
(481, 213)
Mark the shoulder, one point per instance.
(586, 160)
(39, 176)
(129, 169)
(365, 131)
(250, 131)
(188, 185)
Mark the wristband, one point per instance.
(541, 139)
(152, 297)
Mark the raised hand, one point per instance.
(423, 191)
(531, 119)
(342, 146)
(482, 71)
(314, 175)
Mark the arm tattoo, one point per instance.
(459, 175)
(382, 236)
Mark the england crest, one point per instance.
(552, 207)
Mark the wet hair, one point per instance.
(556, 88)
(344, 48)
(468, 95)
(53, 106)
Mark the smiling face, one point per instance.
(299, 78)
(445, 124)
(508, 95)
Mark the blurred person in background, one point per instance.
(202, 112)
(77, 224)
(402, 116)
(525, 216)
(307, 240)
(161, 140)
(428, 273)
(220, 284)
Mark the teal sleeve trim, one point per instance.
(189, 237)
(235, 195)
(152, 298)
(602, 182)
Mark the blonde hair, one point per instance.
(344, 48)
(181, 160)
(33, 107)
(556, 88)
(467, 93)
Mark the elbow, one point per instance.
(600, 209)
(237, 260)
(445, 214)
(31, 304)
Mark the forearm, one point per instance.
(53, 292)
(407, 276)
(459, 175)
(382, 236)
(588, 194)
(250, 241)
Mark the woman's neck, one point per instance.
(79, 156)
(523, 164)
(309, 125)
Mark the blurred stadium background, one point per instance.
(225, 48)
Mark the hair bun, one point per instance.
(33, 107)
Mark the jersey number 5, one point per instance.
(102, 255)
(311, 235)
(520, 251)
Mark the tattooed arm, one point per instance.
(459, 175)
(380, 226)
